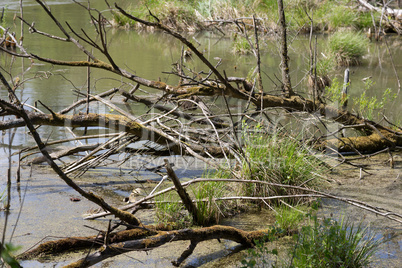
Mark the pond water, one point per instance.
(148, 55)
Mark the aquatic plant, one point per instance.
(289, 219)
(334, 94)
(168, 210)
(259, 256)
(332, 243)
(367, 106)
(178, 14)
(208, 210)
(319, 243)
(121, 20)
(347, 47)
(277, 158)
(240, 45)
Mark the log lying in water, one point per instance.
(147, 237)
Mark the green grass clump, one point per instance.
(208, 209)
(330, 243)
(348, 48)
(240, 45)
(341, 16)
(288, 219)
(168, 210)
(278, 159)
(7, 255)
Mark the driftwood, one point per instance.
(397, 13)
(71, 243)
(194, 235)
(148, 237)
(310, 193)
(392, 16)
(144, 238)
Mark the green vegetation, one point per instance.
(168, 210)
(318, 243)
(3, 14)
(279, 159)
(274, 158)
(7, 252)
(289, 219)
(241, 46)
(178, 14)
(324, 67)
(208, 209)
(334, 94)
(348, 47)
(329, 243)
(260, 255)
(367, 106)
(190, 15)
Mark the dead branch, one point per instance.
(287, 87)
(65, 152)
(161, 238)
(191, 208)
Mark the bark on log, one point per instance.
(397, 13)
(287, 86)
(198, 235)
(185, 198)
(73, 243)
(364, 144)
(138, 239)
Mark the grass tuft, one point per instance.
(331, 243)
(278, 159)
(348, 47)
(208, 209)
(168, 209)
(289, 219)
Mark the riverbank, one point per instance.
(226, 16)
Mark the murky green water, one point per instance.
(149, 55)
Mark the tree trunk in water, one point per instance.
(287, 86)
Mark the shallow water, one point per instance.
(43, 201)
